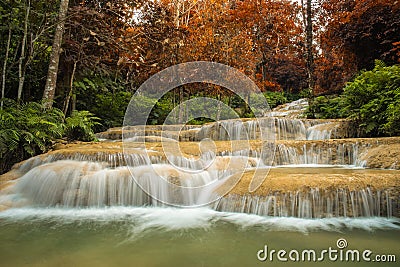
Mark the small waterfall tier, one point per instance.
(238, 129)
(317, 193)
(275, 128)
(285, 122)
(86, 184)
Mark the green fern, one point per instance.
(27, 129)
(80, 126)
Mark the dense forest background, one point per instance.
(107, 49)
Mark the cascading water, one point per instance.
(73, 181)
(88, 184)
(281, 128)
(108, 177)
(314, 204)
(317, 154)
(96, 180)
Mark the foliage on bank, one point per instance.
(372, 100)
(28, 129)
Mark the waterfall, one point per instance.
(320, 154)
(91, 178)
(70, 183)
(272, 128)
(97, 175)
(112, 159)
(292, 153)
(81, 184)
(315, 204)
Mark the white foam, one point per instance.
(143, 219)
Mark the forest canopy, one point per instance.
(110, 47)
(92, 55)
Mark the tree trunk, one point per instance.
(69, 94)
(219, 107)
(51, 82)
(21, 69)
(264, 70)
(309, 47)
(3, 81)
(177, 6)
(73, 106)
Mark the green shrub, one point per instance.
(161, 110)
(80, 126)
(103, 95)
(373, 99)
(199, 121)
(326, 107)
(392, 125)
(257, 102)
(27, 130)
(275, 99)
(110, 108)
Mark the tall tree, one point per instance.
(334, 65)
(21, 67)
(275, 31)
(307, 13)
(356, 32)
(51, 82)
(370, 31)
(3, 80)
